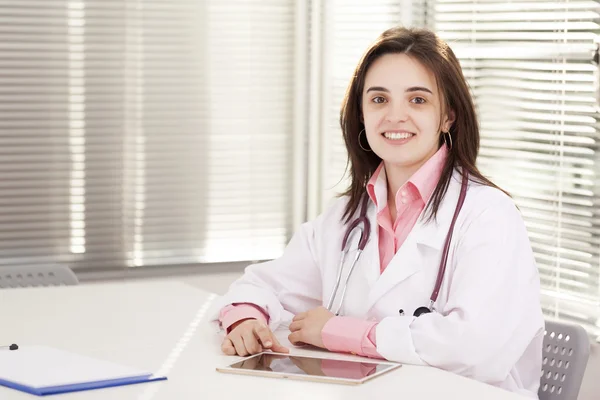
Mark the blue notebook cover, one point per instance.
(42, 371)
(77, 387)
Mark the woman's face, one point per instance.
(402, 111)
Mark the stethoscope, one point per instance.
(365, 231)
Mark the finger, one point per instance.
(278, 347)
(238, 343)
(227, 347)
(296, 326)
(300, 316)
(250, 342)
(263, 334)
(295, 338)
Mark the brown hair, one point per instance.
(433, 53)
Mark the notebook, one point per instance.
(42, 370)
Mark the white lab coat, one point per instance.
(487, 324)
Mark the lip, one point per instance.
(396, 131)
(397, 142)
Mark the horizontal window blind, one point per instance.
(145, 132)
(530, 67)
(349, 28)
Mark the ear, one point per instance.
(450, 118)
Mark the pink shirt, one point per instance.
(353, 335)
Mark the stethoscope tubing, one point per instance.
(365, 231)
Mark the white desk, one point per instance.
(161, 326)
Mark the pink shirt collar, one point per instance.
(424, 180)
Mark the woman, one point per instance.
(412, 137)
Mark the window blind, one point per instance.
(145, 132)
(530, 67)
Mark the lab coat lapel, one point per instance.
(417, 248)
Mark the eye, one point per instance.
(378, 100)
(418, 100)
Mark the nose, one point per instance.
(397, 113)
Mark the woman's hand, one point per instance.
(306, 327)
(251, 337)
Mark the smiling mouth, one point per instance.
(397, 135)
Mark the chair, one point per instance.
(565, 356)
(36, 275)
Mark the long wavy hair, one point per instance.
(435, 55)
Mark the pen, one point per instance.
(11, 347)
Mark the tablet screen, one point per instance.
(310, 366)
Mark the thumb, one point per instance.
(278, 347)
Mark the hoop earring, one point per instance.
(449, 146)
(360, 144)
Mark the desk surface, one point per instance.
(161, 326)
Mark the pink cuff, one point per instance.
(350, 335)
(233, 313)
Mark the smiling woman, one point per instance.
(407, 116)
(412, 138)
(402, 121)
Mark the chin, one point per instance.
(402, 157)
(402, 163)
(399, 157)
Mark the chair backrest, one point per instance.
(565, 356)
(36, 275)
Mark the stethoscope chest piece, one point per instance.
(421, 310)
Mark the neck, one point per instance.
(396, 177)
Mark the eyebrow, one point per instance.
(410, 89)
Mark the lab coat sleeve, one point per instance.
(282, 287)
(493, 310)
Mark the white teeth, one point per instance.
(397, 136)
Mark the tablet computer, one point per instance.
(280, 365)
